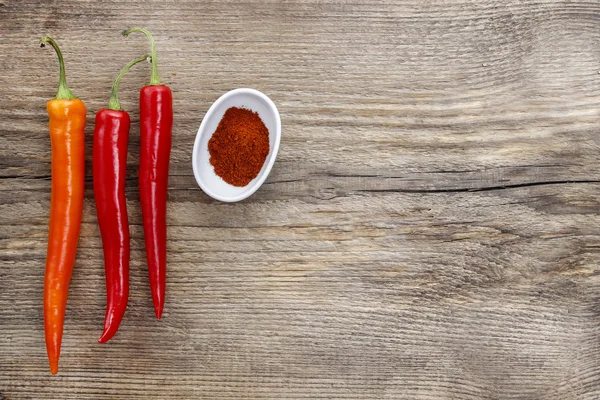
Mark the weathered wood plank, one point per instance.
(430, 229)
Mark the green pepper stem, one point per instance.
(154, 75)
(113, 103)
(63, 93)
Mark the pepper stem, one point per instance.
(63, 93)
(154, 75)
(113, 103)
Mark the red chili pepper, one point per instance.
(156, 122)
(109, 165)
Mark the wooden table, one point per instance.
(430, 229)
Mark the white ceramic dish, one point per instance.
(205, 175)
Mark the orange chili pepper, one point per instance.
(67, 122)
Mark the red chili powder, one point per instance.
(239, 147)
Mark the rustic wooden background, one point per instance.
(430, 230)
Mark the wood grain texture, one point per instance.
(430, 229)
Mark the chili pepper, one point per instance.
(67, 122)
(156, 122)
(109, 164)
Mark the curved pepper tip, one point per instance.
(103, 338)
(107, 334)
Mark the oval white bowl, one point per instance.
(211, 183)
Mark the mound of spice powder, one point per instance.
(239, 147)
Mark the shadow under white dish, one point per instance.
(212, 184)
